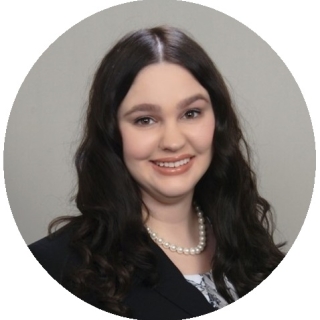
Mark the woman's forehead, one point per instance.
(164, 83)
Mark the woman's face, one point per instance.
(167, 124)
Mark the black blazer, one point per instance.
(172, 298)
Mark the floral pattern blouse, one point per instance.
(205, 284)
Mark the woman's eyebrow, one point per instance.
(143, 107)
(186, 102)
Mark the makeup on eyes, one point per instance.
(149, 119)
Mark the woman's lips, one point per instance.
(173, 166)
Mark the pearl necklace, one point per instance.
(193, 250)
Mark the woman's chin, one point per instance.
(169, 194)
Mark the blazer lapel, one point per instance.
(174, 287)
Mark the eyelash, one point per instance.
(142, 121)
(193, 111)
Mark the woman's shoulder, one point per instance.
(55, 253)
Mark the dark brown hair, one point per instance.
(109, 234)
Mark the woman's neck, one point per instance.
(174, 221)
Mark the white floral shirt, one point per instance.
(205, 284)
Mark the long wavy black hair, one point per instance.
(109, 233)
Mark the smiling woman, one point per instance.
(172, 225)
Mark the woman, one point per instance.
(172, 225)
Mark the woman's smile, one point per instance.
(173, 166)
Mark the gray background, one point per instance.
(45, 123)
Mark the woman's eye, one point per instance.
(192, 114)
(144, 121)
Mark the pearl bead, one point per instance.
(179, 250)
(186, 251)
(192, 251)
(166, 245)
(173, 247)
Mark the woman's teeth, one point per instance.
(173, 164)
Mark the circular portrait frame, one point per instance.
(41, 136)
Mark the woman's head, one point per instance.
(126, 60)
(166, 123)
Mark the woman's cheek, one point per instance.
(202, 137)
(138, 145)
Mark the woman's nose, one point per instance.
(172, 137)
